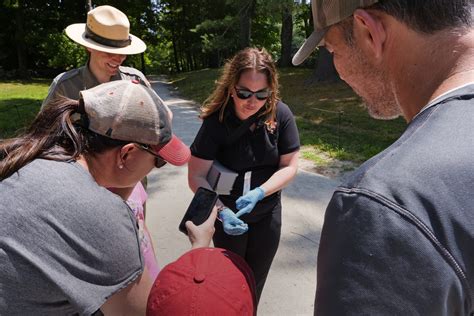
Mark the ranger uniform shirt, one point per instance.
(70, 83)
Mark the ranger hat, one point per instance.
(325, 14)
(107, 30)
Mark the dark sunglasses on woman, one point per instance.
(245, 94)
(159, 162)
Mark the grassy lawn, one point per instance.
(19, 103)
(325, 136)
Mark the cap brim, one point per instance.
(175, 152)
(308, 46)
(76, 32)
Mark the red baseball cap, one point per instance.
(204, 281)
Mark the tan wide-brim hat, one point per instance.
(107, 30)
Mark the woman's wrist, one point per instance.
(220, 206)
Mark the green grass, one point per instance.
(351, 136)
(196, 85)
(19, 103)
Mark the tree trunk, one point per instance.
(309, 26)
(324, 70)
(286, 35)
(189, 59)
(246, 13)
(20, 42)
(213, 59)
(175, 51)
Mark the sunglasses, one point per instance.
(159, 161)
(245, 94)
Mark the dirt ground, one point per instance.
(336, 169)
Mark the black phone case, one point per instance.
(199, 209)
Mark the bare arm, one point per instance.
(131, 300)
(197, 174)
(286, 172)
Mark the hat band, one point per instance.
(105, 41)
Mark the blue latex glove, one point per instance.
(232, 225)
(246, 203)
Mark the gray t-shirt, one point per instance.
(66, 243)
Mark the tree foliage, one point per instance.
(181, 35)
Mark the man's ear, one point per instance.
(370, 32)
(124, 154)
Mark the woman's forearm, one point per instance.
(284, 175)
(196, 181)
(279, 180)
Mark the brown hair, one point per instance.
(246, 59)
(424, 16)
(53, 136)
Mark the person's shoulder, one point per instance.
(212, 119)
(283, 113)
(212, 127)
(67, 84)
(130, 71)
(67, 75)
(283, 109)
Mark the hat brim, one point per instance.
(76, 32)
(175, 151)
(308, 46)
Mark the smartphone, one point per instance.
(199, 209)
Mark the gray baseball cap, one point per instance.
(325, 14)
(129, 111)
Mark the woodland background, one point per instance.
(182, 35)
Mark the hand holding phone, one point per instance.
(201, 236)
(199, 209)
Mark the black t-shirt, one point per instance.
(258, 151)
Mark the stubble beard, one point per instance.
(375, 91)
(382, 106)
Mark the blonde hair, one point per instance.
(246, 59)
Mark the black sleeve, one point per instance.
(288, 138)
(374, 260)
(207, 141)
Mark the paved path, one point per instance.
(291, 282)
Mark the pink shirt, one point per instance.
(135, 201)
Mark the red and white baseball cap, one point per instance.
(129, 111)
